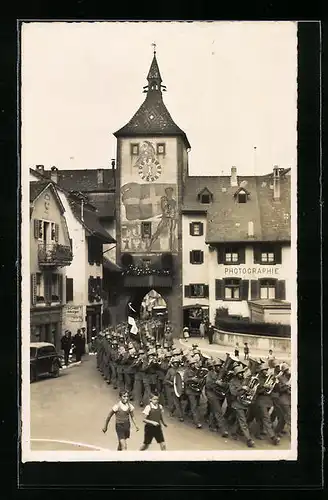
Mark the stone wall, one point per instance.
(281, 345)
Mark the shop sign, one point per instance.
(242, 271)
(74, 313)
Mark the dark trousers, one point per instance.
(138, 388)
(262, 413)
(66, 356)
(173, 402)
(216, 410)
(242, 422)
(78, 354)
(193, 401)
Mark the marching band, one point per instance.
(242, 398)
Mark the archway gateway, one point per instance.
(153, 305)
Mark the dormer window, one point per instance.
(205, 197)
(241, 196)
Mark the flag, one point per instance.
(131, 320)
(132, 323)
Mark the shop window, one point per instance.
(232, 289)
(146, 230)
(196, 228)
(268, 289)
(196, 257)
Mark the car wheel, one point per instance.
(55, 370)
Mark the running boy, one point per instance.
(123, 411)
(153, 424)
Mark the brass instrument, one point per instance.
(198, 381)
(248, 397)
(270, 382)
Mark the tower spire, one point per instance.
(154, 76)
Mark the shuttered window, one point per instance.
(281, 290)
(196, 257)
(69, 290)
(33, 289)
(267, 288)
(267, 254)
(196, 228)
(231, 254)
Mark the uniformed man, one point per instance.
(215, 393)
(138, 388)
(190, 377)
(283, 388)
(113, 362)
(237, 389)
(263, 404)
(119, 362)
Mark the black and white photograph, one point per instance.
(159, 240)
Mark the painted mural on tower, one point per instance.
(149, 206)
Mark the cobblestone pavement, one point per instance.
(70, 411)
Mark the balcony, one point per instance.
(54, 255)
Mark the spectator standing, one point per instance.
(210, 333)
(246, 351)
(185, 333)
(66, 344)
(202, 329)
(271, 359)
(78, 344)
(237, 350)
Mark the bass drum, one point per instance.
(178, 383)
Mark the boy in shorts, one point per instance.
(123, 411)
(153, 424)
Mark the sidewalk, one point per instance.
(221, 350)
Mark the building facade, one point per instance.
(50, 254)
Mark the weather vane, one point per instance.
(154, 45)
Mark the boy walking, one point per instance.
(153, 424)
(246, 351)
(123, 412)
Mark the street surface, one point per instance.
(70, 412)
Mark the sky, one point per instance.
(231, 86)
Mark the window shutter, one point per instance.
(69, 290)
(206, 291)
(201, 229)
(278, 254)
(36, 228)
(244, 289)
(257, 254)
(191, 229)
(219, 289)
(221, 254)
(60, 287)
(47, 287)
(33, 289)
(201, 257)
(90, 251)
(255, 289)
(191, 256)
(241, 255)
(187, 291)
(281, 290)
(56, 233)
(71, 243)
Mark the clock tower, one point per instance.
(152, 161)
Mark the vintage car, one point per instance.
(44, 359)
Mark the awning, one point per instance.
(111, 266)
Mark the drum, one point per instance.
(178, 383)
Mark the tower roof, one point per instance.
(152, 118)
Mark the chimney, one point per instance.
(54, 174)
(114, 173)
(251, 229)
(276, 183)
(100, 176)
(233, 180)
(40, 168)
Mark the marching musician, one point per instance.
(263, 404)
(138, 389)
(284, 398)
(192, 395)
(214, 391)
(237, 389)
(173, 401)
(119, 362)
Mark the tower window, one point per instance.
(161, 149)
(134, 149)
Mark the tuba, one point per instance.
(248, 397)
(198, 382)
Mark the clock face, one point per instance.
(150, 169)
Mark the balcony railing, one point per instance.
(54, 255)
